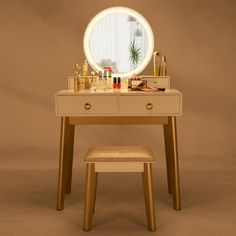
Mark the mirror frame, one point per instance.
(130, 12)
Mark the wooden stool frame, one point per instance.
(91, 188)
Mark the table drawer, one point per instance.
(150, 105)
(86, 105)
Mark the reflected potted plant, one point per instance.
(134, 53)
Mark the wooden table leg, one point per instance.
(174, 162)
(63, 162)
(168, 161)
(70, 158)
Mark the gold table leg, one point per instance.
(63, 162)
(168, 161)
(70, 144)
(171, 131)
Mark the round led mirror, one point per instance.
(119, 39)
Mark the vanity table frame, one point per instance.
(68, 123)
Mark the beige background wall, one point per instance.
(40, 40)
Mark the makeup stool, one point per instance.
(118, 159)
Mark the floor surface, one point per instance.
(28, 183)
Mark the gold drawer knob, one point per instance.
(87, 106)
(149, 106)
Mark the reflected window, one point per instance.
(118, 42)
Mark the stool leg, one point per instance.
(148, 193)
(95, 190)
(89, 196)
(145, 194)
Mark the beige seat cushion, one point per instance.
(119, 154)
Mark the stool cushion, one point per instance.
(119, 154)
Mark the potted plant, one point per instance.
(134, 53)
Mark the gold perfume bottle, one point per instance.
(163, 70)
(72, 79)
(109, 81)
(156, 63)
(85, 68)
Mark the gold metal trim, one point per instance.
(109, 120)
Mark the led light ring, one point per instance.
(130, 12)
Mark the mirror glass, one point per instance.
(120, 39)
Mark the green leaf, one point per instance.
(135, 52)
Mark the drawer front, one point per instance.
(85, 105)
(157, 81)
(150, 105)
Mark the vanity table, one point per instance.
(122, 40)
(108, 107)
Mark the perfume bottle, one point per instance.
(85, 68)
(109, 81)
(124, 84)
(99, 81)
(163, 70)
(82, 83)
(102, 81)
(72, 80)
(156, 63)
(94, 82)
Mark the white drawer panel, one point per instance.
(152, 105)
(86, 105)
(157, 81)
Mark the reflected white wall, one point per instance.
(110, 40)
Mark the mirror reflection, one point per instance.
(118, 41)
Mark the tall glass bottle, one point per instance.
(156, 63)
(109, 81)
(163, 70)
